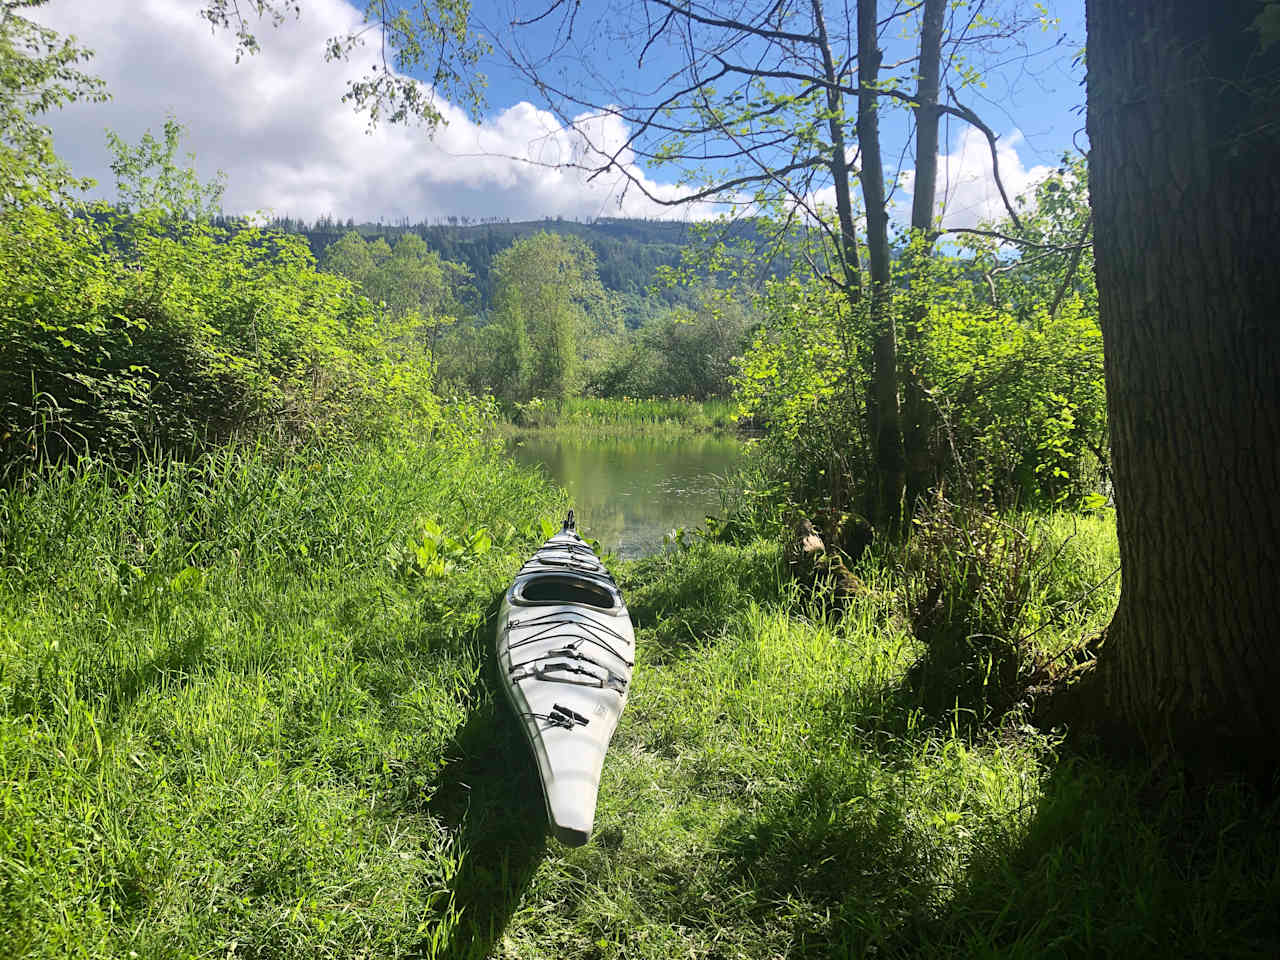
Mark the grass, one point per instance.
(667, 415)
(240, 716)
(226, 701)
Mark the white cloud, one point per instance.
(967, 192)
(275, 124)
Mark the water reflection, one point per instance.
(629, 491)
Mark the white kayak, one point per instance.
(566, 648)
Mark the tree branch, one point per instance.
(964, 113)
(1006, 238)
(958, 110)
(736, 25)
(1071, 267)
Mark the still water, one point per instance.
(630, 491)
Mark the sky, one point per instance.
(275, 125)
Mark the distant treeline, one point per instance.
(629, 253)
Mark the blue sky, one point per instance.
(1041, 97)
(275, 124)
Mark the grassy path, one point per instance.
(246, 711)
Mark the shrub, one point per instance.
(126, 334)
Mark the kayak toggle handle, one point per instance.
(572, 715)
(553, 718)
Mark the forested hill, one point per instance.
(628, 251)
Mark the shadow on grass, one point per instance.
(1113, 862)
(679, 602)
(488, 791)
(174, 668)
(838, 866)
(1104, 862)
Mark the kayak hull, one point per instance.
(565, 650)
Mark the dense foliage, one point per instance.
(130, 334)
(686, 351)
(557, 331)
(1005, 346)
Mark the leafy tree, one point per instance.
(686, 351)
(477, 358)
(1005, 351)
(39, 71)
(148, 176)
(380, 251)
(551, 303)
(349, 257)
(411, 279)
(1004, 348)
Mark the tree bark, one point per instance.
(1185, 144)
(884, 413)
(839, 163)
(926, 177)
(917, 414)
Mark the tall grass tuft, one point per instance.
(997, 600)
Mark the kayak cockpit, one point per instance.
(561, 589)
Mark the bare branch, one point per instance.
(736, 25)
(991, 286)
(652, 37)
(897, 14)
(895, 94)
(1006, 238)
(1024, 262)
(555, 5)
(964, 113)
(1071, 267)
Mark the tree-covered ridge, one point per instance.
(630, 253)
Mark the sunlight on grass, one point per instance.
(236, 721)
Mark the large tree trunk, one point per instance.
(1184, 138)
(883, 409)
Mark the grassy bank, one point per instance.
(662, 415)
(228, 692)
(243, 712)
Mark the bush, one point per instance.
(127, 334)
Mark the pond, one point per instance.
(628, 492)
